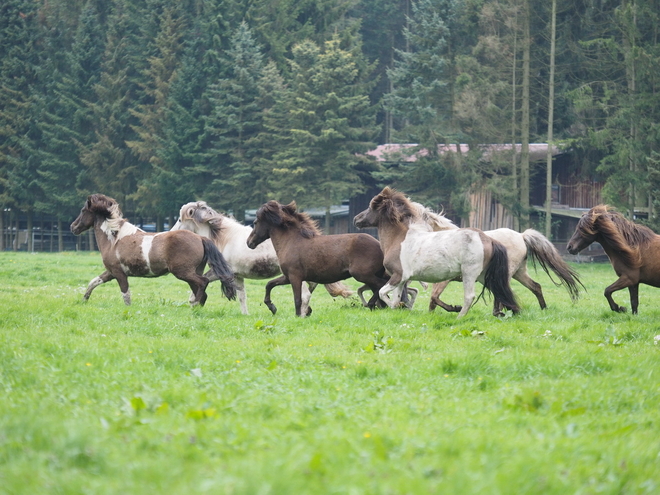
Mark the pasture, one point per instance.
(158, 397)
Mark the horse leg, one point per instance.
(468, 294)
(306, 295)
(360, 293)
(296, 285)
(438, 288)
(106, 276)
(394, 285)
(242, 296)
(634, 297)
(523, 277)
(621, 283)
(281, 280)
(409, 295)
(122, 280)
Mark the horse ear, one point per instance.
(271, 213)
(190, 213)
(291, 208)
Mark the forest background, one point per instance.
(160, 102)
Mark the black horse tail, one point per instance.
(496, 278)
(220, 267)
(541, 250)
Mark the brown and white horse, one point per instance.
(306, 255)
(411, 252)
(128, 251)
(230, 237)
(634, 251)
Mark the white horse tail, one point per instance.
(496, 278)
(220, 268)
(540, 249)
(339, 289)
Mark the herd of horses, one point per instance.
(415, 244)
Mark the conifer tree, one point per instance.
(329, 123)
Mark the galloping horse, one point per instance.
(411, 252)
(129, 251)
(634, 251)
(231, 239)
(519, 247)
(306, 255)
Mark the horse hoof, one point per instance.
(272, 308)
(309, 311)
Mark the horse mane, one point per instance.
(625, 236)
(289, 217)
(436, 221)
(395, 206)
(107, 207)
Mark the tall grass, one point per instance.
(159, 397)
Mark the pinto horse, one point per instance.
(519, 247)
(306, 255)
(230, 237)
(411, 252)
(634, 251)
(129, 251)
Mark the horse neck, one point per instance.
(106, 238)
(391, 234)
(232, 230)
(627, 254)
(283, 238)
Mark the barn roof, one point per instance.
(406, 152)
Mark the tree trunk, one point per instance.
(328, 219)
(30, 229)
(514, 150)
(524, 125)
(60, 236)
(2, 228)
(551, 110)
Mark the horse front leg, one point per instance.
(281, 280)
(296, 285)
(634, 297)
(122, 280)
(621, 283)
(306, 295)
(394, 286)
(106, 276)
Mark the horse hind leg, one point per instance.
(523, 277)
(438, 289)
(242, 296)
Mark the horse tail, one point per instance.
(496, 278)
(541, 250)
(220, 267)
(339, 289)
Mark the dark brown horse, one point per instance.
(634, 251)
(306, 255)
(128, 251)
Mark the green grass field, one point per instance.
(100, 398)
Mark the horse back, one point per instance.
(649, 271)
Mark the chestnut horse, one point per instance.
(230, 237)
(129, 251)
(634, 251)
(411, 252)
(306, 255)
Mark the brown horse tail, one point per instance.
(220, 267)
(339, 289)
(541, 250)
(496, 278)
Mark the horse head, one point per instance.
(268, 216)
(96, 204)
(390, 206)
(587, 229)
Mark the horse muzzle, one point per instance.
(572, 248)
